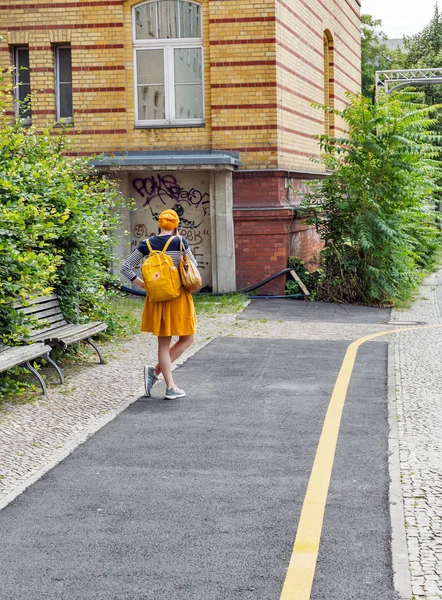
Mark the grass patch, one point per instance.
(210, 305)
(128, 309)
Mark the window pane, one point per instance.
(23, 91)
(190, 20)
(64, 65)
(188, 67)
(22, 65)
(168, 18)
(151, 102)
(146, 23)
(189, 101)
(150, 66)
(65, 100)
(23, 80)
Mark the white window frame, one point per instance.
(65, 120)
(168, 45)
(27, 120)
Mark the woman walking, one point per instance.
(169, 318)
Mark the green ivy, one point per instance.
(375, 212)
(57, 221)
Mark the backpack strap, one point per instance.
(149, 246)
(167, 244)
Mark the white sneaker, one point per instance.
(172, 393)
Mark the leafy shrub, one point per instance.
(309, 278)
(375, 212)
(57, 218)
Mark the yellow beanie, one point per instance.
(168, 219)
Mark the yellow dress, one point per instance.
(172, 317)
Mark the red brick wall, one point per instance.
(267, 230)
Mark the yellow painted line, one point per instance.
(302, 566)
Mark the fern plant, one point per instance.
(375, 211)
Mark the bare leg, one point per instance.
(175, 352)
(184, 341)
(164, 362)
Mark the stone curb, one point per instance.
(399, 547)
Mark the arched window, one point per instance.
(168, 63)
(329, 85)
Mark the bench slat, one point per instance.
(38, 300)
(37, 308)
(81, 335)
(51, 319)
(52, 324)
(52, 332)
(67, 333)
(13, 357)
(45, 314)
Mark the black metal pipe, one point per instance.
(276, 297)
(264, 281)
(125, 288)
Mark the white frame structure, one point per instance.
(168, 46)
(400, 78)
(66, 120)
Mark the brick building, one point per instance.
(202, 106)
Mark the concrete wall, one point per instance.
(188, 194)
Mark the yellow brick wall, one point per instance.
(243, 72)
(174, 138)
(300, 26)
(263, 65)
(95, 31)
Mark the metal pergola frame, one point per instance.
(399, 78)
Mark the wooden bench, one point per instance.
(53, 329)
(22, 355)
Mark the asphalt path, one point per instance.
(306, 311)
(199, 498)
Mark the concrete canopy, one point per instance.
(166, 159)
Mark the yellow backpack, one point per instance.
(160, 275)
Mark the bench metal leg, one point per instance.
(54, 364)
(37, 374)
(89, 341)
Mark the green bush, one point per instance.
(375, 211)
(57, 219)
(309, 278)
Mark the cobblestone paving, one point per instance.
(419, 407)
(33, 435)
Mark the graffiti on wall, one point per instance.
(166, 189)
(196, 238)
(187, 194)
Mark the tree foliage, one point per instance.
(57, 218)
(424, 50)
(375, 212)
(375, 54)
